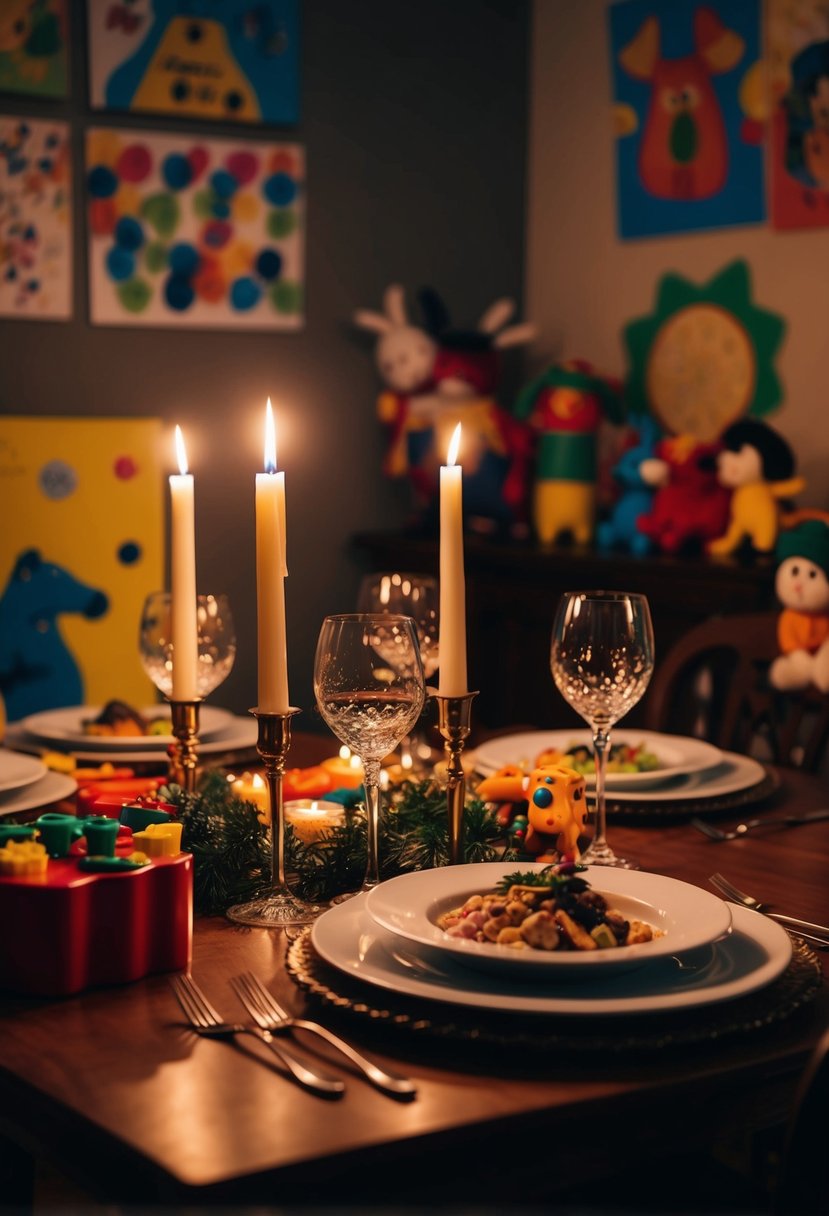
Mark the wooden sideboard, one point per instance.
(512, 590)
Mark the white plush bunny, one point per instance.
(405, 355)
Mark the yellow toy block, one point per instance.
(159, 839)
(20, 857)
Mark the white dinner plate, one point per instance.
(733, 774)
(688, 917)
(65, 728)
(754, 954)
(17, 771)
(240, 735)
(677, 754)
(47, 790)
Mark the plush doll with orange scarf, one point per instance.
(802, 586)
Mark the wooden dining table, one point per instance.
(113, 1090)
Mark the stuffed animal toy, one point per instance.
(690, 506)
(405, 357)
(556, 807)
(637, 473)
(564, 408)
(438, 376)
(802, 586)
(757, 464)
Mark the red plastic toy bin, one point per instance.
(68, 930)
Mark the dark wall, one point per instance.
(413, 117)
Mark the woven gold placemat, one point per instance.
(798, 985)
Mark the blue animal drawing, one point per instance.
(37, 669)
(619, 531)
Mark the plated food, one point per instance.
(681, 917)
(119, 720)
(554, 909)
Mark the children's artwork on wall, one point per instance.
(33, 47)
(688, 148)
(203, 233)
(797, 38)
(82, 547)
(237, 61)
(35, 219)
(705, 355)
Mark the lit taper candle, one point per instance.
(270, 579)
(183, 580)
(452, 646)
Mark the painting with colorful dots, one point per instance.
(33, 47)
(192, 232)
(83, 500)
(35, 219)
(237, 61)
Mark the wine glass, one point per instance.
(216, 641)
(368, 682)
(602, 660)
(417, 596)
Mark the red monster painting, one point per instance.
(683, 154)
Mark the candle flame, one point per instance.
(454, 445)
(345, 752)
(270, 439)
(314, 808)
(181, 452)
(258, 783)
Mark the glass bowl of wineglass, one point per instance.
(216, 641)
(416, 596)
(369, 687)
(601, 658)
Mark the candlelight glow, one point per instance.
(181, 452)
(454, 445)
(270, 439)
(345, 752)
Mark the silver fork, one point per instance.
(818, 935)
(742, 829)
(269, 1014)
(204, 1019)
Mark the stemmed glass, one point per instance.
(417, 596)
(602, 660)
(368, 682)
(216, 641)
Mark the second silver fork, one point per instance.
(818, 935)
(269, 1015)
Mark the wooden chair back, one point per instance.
(803, 1184)
(714, 684)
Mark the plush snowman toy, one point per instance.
(802, 586)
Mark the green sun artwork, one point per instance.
(705, 355)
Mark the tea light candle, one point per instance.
(183, 580)
(310, 818)
(452, 646)
(346, 770)
(250, 787)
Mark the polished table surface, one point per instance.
(118, 1094)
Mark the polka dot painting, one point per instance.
(201, 234)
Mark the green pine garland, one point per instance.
(232, 853)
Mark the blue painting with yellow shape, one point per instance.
(234, 62)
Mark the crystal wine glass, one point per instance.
(602, 660)
(368, 682)
(216, 641)
(417, 596)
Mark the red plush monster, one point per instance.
(690, 507)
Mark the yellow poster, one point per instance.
(81, 500)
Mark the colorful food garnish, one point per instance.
(623, 758)
(117, 719)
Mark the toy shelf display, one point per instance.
(93, 901)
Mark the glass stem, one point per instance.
(601, 748)
(371, 784)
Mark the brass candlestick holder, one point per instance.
(454, 714)
(279, 908)
(184, 754)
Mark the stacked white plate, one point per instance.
(26, 783)
(688, 768)
(709, 951)
(63, 730)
